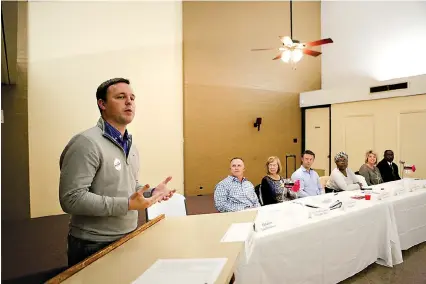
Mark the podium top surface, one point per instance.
(195, 236)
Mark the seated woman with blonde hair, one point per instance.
(369, 170)
(272, 186)
(342, 178)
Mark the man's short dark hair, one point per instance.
(387, 151)
(236, 158)
(101, 92)
(308, 152)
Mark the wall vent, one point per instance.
(386, 88)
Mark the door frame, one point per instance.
(329, 132)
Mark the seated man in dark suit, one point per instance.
(388, 169)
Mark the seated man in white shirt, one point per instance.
(309, 180)
(235, 193)
(342, 178)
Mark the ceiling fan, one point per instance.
(293, 50)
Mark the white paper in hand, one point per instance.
(188, 271)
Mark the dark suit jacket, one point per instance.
(386, 171)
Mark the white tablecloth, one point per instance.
(409, 209)
(337, 245)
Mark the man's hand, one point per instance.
(163, 191)
(138, 202)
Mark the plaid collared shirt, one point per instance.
(123, 141)
(231, 195)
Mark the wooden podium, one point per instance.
(195, 236)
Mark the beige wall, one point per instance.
(73, 47)
(15, 193)
(4, 67)
(227, 86)
(397, 124)
(14, 154)
(349, 69)
(348, 64)
(9, 40)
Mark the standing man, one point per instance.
(388, 169)
(309, 179)
(235, 193)
(99, 185)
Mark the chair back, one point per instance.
(320, 172)
(258, 190)
(324, 180)
(175, 206)
(361, 179)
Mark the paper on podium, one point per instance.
(188, 271)
(238, 232)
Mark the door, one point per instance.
(317, 137)
(412, 137)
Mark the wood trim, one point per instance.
(79, 266)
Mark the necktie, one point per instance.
(393, 173)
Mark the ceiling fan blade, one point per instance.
(286, 40)
(277, 57)
(319, 42)
(311, 52)
(259, 49)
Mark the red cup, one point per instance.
(367, 196)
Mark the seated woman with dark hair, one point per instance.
(272, 187)
(342, 178)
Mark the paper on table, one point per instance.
(285, 217)
(267, 218)
(238, 232)
(188, 271)
(319, 202)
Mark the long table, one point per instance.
(409, 210)
(197, 236)
(306, 248)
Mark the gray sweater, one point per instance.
(372, 176)
(96, 181)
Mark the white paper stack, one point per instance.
(185, 271)
(238, 232)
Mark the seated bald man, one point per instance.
(235, 193)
